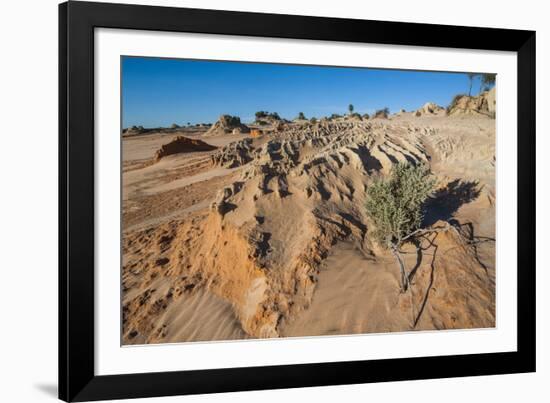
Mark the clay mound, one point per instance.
(482, 104)
(182, 144)
(227, 124)
(429, 108)
(134, 130)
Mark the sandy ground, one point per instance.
(267, 237)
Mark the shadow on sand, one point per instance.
(446, 201)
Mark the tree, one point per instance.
(313, 120)
(174, 126)
(487, 81)
(301, 116)
(471, 77)
(382, 113)
(350, 108)
(260, 114)
(395, 206)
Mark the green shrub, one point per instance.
(261, 114)
(382, 113)
(395, 205)
(454, 101)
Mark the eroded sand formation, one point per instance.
(269, 236)
(182, 144)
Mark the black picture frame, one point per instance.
(77, 379)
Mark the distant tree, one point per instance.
(350, 108)
(188, 123)
(382, 113)
(275, 115)
(261, 114)
(395, 206)
(335, 116)
(313, 120)
(174, 126)
(301, 116)
(454, 101)
(366, 116)
(487, 81)
(471, 78)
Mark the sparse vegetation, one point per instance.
(471, 77)
(230, 120)
(267, 115)
(382, 113)
(301, 116)
(313, 120)
(487, 81)
(366, 116)
(174, 126)
(335, 116)
(454, 101)
(260, 114)
(395, 206)
(350, 108)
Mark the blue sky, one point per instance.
(158, 92)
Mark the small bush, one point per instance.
(395, 205)
(261, 114)
(301, 116)
(313, 120)
(366, 116)
(454, 101)
(382, 113)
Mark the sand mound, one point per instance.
(134, 131)
(182, 144)
(482, 104)
(429, 108)
(227, 124)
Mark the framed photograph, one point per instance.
(257, 201)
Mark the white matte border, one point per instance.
(111, 358)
